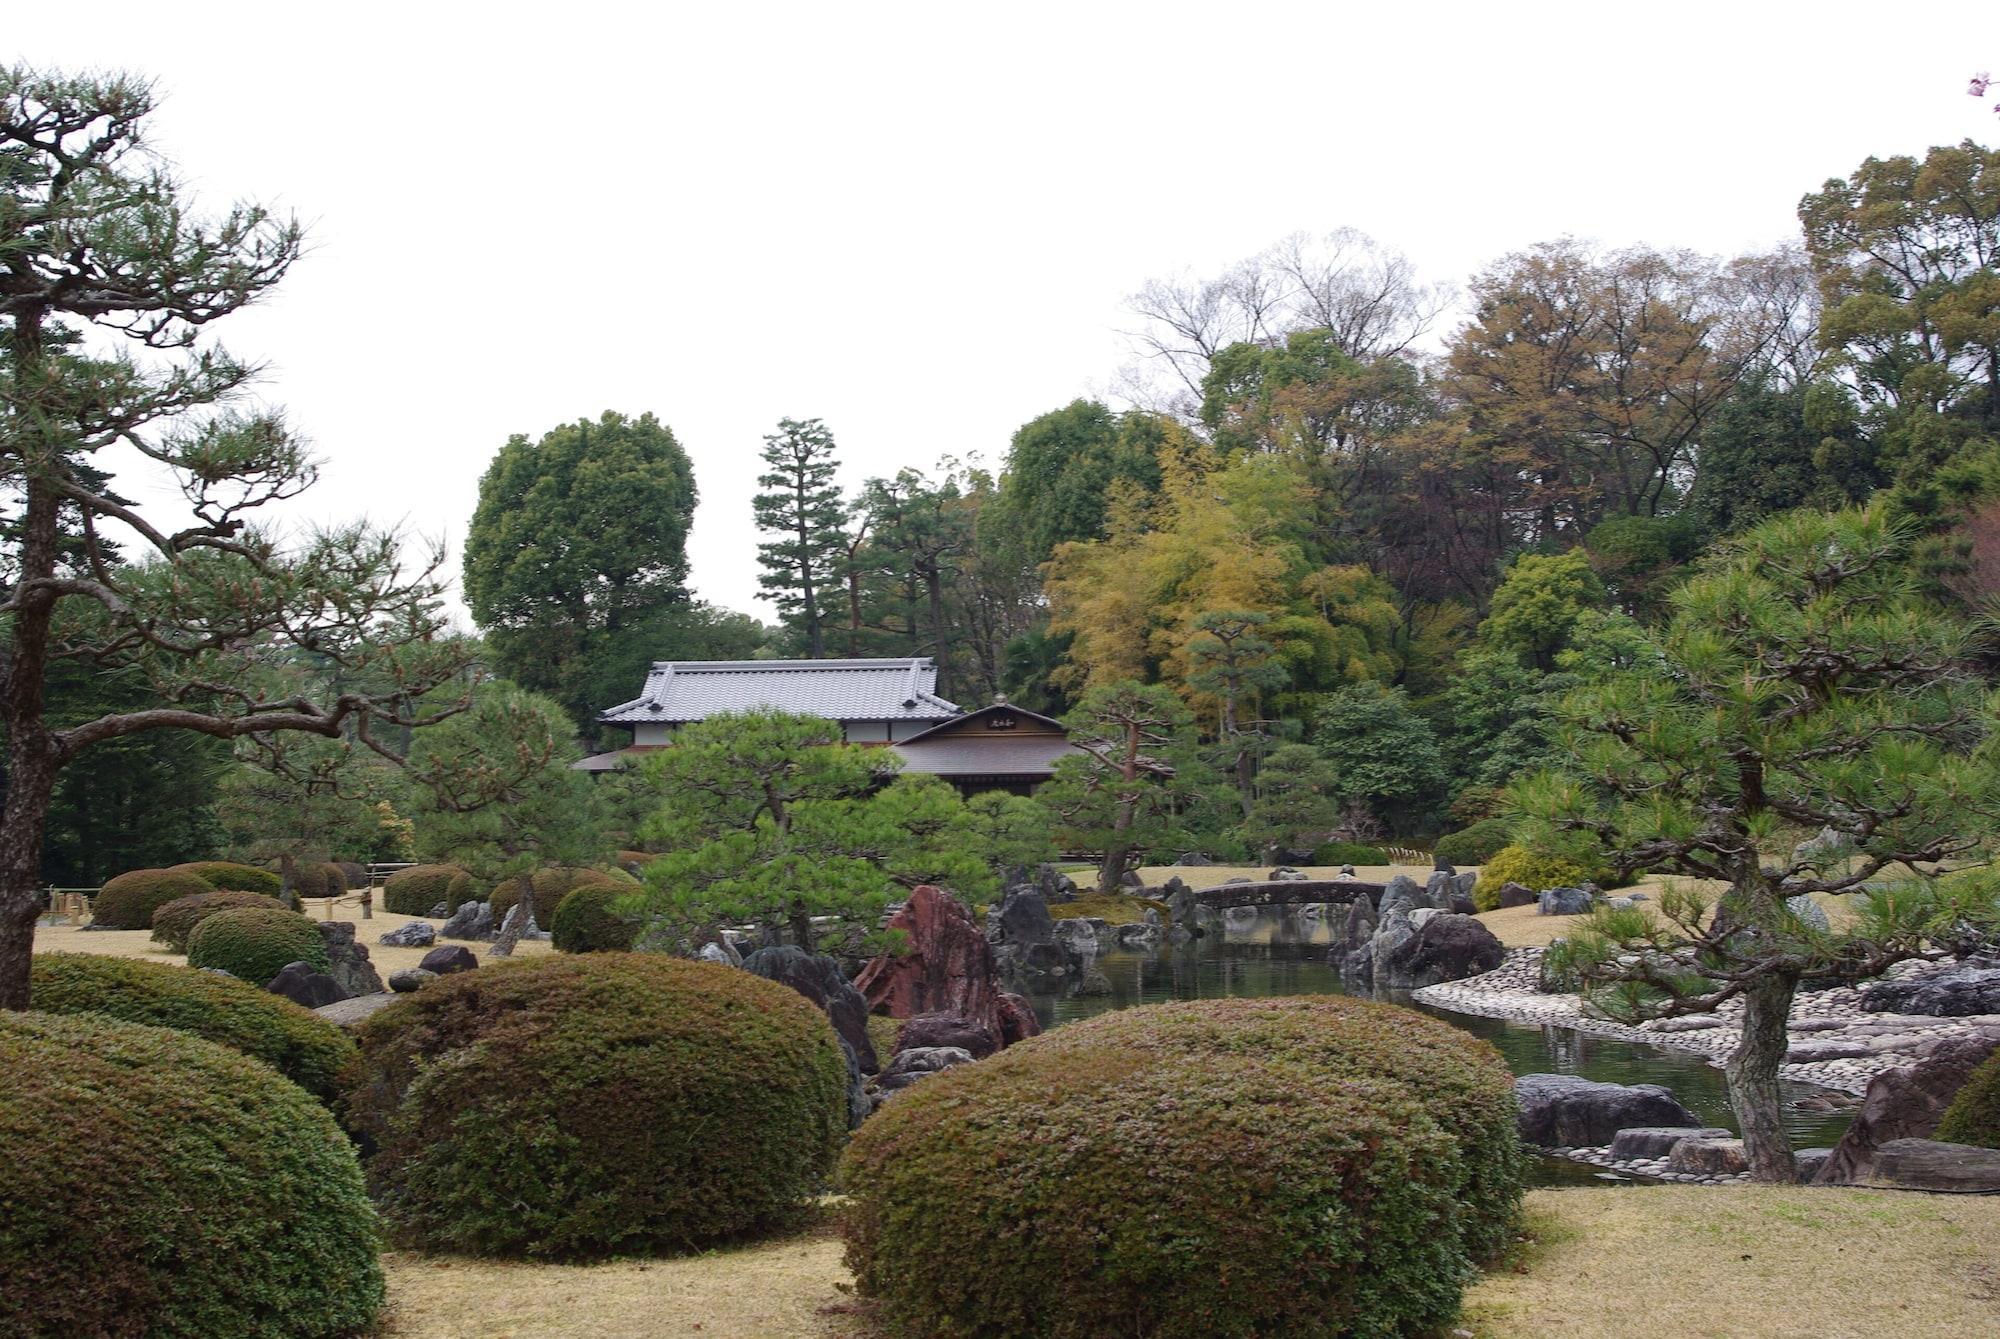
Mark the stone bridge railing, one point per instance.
(1281, 892)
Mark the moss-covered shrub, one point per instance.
(174, 922)
(633, 862)
(1474, 845)
(128, 901)
(568, 1106)
(254, 944)
(1974, 1114)
(551, 886)
(296, 1042)
(1350, 853)
(1111, 908)
(416, 891)
(1530, 869)
(318, 878)
(1307, 1167)
(585, 921)
(229, 876)
(203, 1195)
(354, 873)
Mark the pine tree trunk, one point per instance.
(32, 755)
(1753, 1080)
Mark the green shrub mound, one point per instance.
(417, 890)
(1530, 869)
(1474, 845)
(1350, 853)
(253, 944)
(633, 862)
(1300, 1167)
(206, 1197)
(1974, 1114)
(578, 1106)
(229, 876)
(551, 886)
(586, 923)
(128, 901)
(318, 878)
(175, 921)
(296, 1042)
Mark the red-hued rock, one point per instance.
(1903, 1104)
(948, 968)
(928, 1031)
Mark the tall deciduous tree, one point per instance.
(96, 236)
(579, 539)
(1801, 683)
(801, 509)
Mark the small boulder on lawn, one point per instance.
(410, 979)
(1517, 895)
(448, 958)
(1565, 1111)
(1565, 901)
(302, 983)
(472, 920)
(417, 934)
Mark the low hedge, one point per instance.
(1350, 853)
(230, 876)
(1530, 869)
(174, 922)
(1474, 845)
(1974, 1114)
(551, 886)
(128, 901)
(586, 923)
(254, 944)
(574, 1106)
(1111, 908)
(296, 1042)
(318, 878)
(416, 891)
(204, 1196)
(1307, 1167)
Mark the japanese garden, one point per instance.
(1438, 811)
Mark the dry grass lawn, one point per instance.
(139, 943)
(1666, 1262)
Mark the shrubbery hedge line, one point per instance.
(586, 1105)
(230, 876)
(175, 921)
(1350, 853)
(128, 901)
(296, 1042)
(202, 1196)
(416, 891)
(551, 886)
(254, 944)
(1474, 845)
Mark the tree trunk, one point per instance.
(33, 755)
(1753, 1080)
(940, 637)
(1111, 874)
(802, 928)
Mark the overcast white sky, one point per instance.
(920, 222)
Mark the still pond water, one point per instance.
(1276, 954)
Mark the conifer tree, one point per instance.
(801, 509)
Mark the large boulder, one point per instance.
(1023, 918)
(1183, 903)
(920, 1063)
(1926, 1164)
(415, 934)
(948, 967)
(1565, 1111)
(351, 967)
(1054, 885)
(302, 983)
(1905, 1103)
(472, 920)
(1708, 1155)
(1017, 1019)
(1517, 895)
(819, 978)
(930, 1031)
(448, 958)
(1401, 894)
(1957, 991)
(1565, 901)
(1656, 1141)
(1446, 947)
(410, 980)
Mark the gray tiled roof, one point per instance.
(896, 689)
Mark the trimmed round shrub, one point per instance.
(551, 886)
(174, 922)
(417, 890)
(296, 1042)
(1350, 853)
(129, 901)
(230, 876)
(1974, 1114)
(1474, 845)
(209, 1196)
(575, 1106)
(585, 922)
(318, 878)
(353, 873)
(253, 944)
(1308, 1167)
(1530, 869)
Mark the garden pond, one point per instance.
(1276, 955)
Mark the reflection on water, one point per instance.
(1265, 953)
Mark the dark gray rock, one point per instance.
(352, 969)
(472, 920)
(1517, 895)
(1809, 1161)
(1445, 947)
(1564, 901)
(1286, 874)
(448, 958)
(722, 951)
(439, 910)
(920, 1062)
(1183, 904)
(1708, 1155)
(819, 978)
(1082, 933)
(1023, 918)
(1564, 1111)
(1810, 912)
(1440, 865)
(1400, 894)
(1926, 1164)
(1656, 1141)
(1194, 860)
(302, 983)
(1957, 991)
(928, 1031)
(518, 925)
(417, 934)
(1904, 1103)
(1439, 889)
(410, 979)
(1130, 879)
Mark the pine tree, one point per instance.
(801, 506)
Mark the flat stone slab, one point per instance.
(351, 1013)
(1657, 1141)
(1927, 1164)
